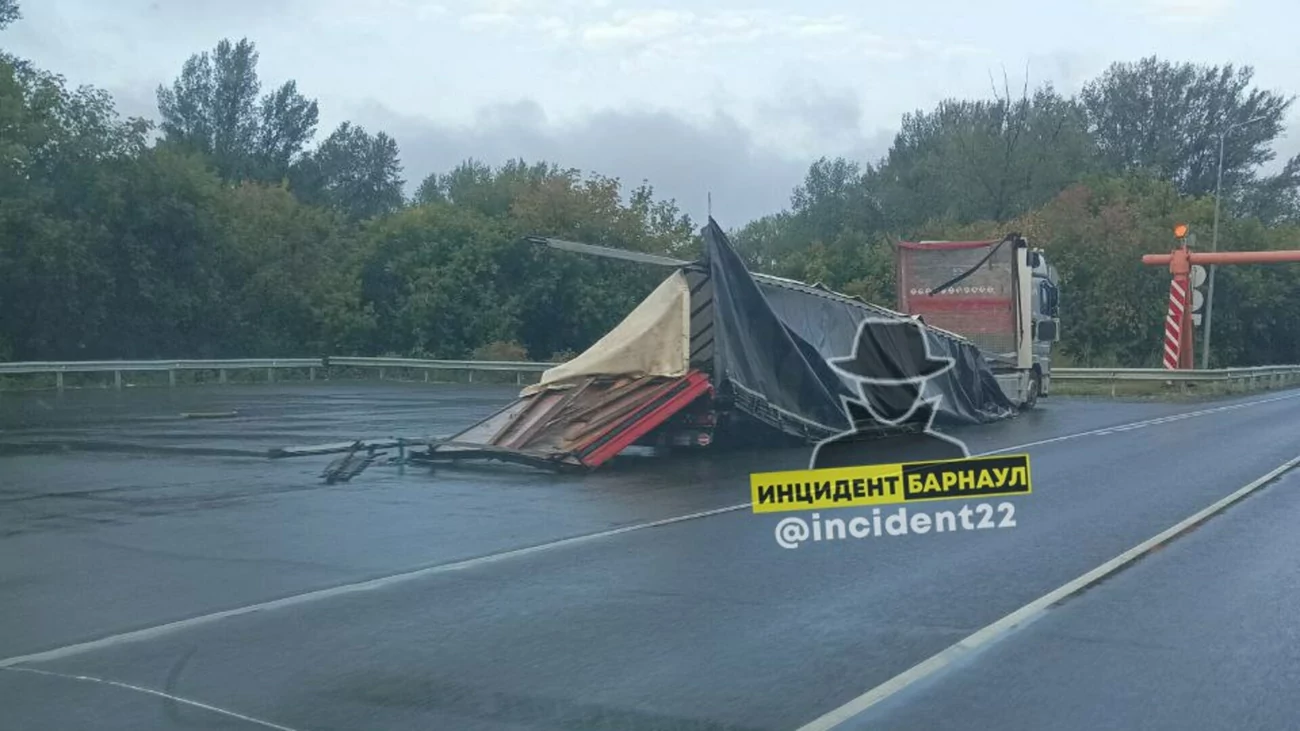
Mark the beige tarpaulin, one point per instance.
(654, 339)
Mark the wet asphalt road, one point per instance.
(1201, 635)
(117, 515)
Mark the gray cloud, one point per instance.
(816, 118)
(135, 102)
(684, 160)
(748, 173)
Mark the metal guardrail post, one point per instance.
(270, 375)
(117, 379)
(58, 380)
(311, 373)
(171, 376)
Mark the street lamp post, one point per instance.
(1214, 242)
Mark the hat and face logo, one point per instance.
(890, 363)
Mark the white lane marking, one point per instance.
(1144, 423)
(1030, 611)
(392, 579)
(368, 585)
(151, 691)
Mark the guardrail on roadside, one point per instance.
(223, 366)
(1247, 377)
(518, 367)
(1263, 375)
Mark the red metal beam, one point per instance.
(1227, 257)
(1178, 341)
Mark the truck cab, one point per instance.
(1002, 295)
(1045, 322)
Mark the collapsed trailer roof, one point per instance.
(774, 338)
(760, 343)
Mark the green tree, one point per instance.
(1096, 233)
(289, 269)
(981, 160)
(1165, 119)
(429, 277)
(826, 233)
(213, 107)
(1254, 309)
(9, 12)
(567, 301)
(168, 244)
(353, 172)
(61, 153)
(475, 184)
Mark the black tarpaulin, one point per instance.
(774, 338)
(779, 377)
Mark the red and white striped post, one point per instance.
(1174, 323)
(1177, 341)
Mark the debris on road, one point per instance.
(338, 447)
(716, 347)
(350, 465)
(581, 424)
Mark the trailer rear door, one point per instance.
(981, 307)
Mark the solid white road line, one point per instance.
(1030, 611)
(393, 579)
(312, 596)
(1146, 422)
(151, 691)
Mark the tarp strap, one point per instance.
(958, 279)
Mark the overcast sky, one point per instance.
(733, 97)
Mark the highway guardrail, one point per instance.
(1263, 375)
(1247, 378)
(518, 367)
(223, 366)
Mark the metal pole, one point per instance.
(1214, 246)
(1214, 241)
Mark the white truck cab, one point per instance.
(1038, 328)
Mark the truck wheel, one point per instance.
(1035, 388)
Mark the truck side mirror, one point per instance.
(1047, 331)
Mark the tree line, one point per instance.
(225, 229)
(1097, 179)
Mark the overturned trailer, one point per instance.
(716, 354)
